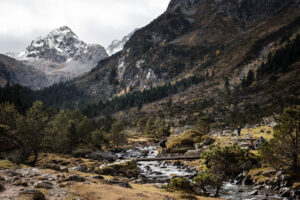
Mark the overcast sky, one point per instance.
(94, 21)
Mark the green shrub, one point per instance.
(205, 180)
(188, 138)
(180, 184)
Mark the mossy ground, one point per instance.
(6, 164)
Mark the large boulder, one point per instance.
(11, 147)
(101, 155)
(193, 153)
(127, 168)
(29, 194)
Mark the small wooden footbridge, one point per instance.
(167, 158)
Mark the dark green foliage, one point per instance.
(59, 95)
(206, 179)
(32, 128)
(203, 125)
(180, 184)
(282, 58)
(112, 77)
(21, 97)
(137, 98)
(118, 136)
(8, 115)
(284, 149)
(225, 162)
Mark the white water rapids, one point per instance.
(162, 172)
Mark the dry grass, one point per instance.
(112, 192)
(256, 174)
(246, 133)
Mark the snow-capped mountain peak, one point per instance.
(59, 45)
(62, 52)
(118, 45)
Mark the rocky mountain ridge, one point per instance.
(184, 39)
(118, 45)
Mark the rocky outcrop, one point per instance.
(125, 168)
(270, 180)
(178, 43)
(11, 147)
(30, 194)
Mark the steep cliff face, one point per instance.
(191, 36)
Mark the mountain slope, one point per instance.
(185, 39)
(62, 55)
(198, 58)
(15, 72)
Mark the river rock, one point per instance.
(29, 194)
(258, 187)
(98, 177)
(2, 187)
(247, 181)
(101, 155)
(285, 192)
(55, 167)
(193, 152)
(145, 153)
(247, 165)
(80, 168)
(255, 192)
(75, 178)
(11, 173)
(127, 168)
(44, 184)
(121, 183)
(278, 174)
(285, 177)
(269, 172)
(20, 182)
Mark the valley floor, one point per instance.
(24, 183)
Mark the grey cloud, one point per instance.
(94, 21)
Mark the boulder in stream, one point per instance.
(127, 168)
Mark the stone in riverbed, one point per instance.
(121, 183)
(127, 168)
(2, 179)
(247, 165)
(255, 192)
(1, 187)
(193, 153)
(98, 177)
(29, 194)
(269, 172)
(44, 184)
(75, 178)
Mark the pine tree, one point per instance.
(32, 127)
(284, 149)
